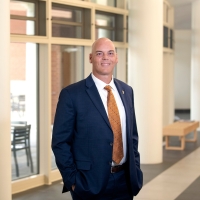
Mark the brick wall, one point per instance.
(56, 72)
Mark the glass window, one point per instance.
(61, 30)
(113, 3)
(25, 27)
(109, 25)
(165, 36)
(127, 29)
(70, 22)
(171, 39)
(24, 109)
(20, 13)
(28, 18)
(67, 68)
(20, 8)
(121, 69)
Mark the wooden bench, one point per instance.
(181, 129)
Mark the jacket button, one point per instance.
(111, 144)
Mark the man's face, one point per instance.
(103, 58)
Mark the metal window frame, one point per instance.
(72, 23)
(25, 18)
(107, 15)
(171, 38)
(108, 27)
(47, 175)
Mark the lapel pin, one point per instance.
(122, 91)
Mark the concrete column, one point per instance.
(145, 61)
(195, 62)
(5, 136)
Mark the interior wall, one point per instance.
(182, 59)
(182, 69)
(183, 16)
(168, 85)
(195, 63)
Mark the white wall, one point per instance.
(195, 63)
(182, 69)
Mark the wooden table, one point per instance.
(180, 128)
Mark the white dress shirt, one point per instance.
(103, 94)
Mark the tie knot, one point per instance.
(108, 88)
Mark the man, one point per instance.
(95, 139)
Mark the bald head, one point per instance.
(102, 41)
(103, 58)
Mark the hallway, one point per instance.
(177, 178)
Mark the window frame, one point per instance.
(46, 175)
(114, 29)
(72, 23)
(25, 18)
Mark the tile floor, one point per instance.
(177, 178)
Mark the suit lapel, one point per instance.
(96, 99)
(126, 103)
(122, 94)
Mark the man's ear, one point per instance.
(90, 57)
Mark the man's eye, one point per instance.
(111, 53)
(99, 53)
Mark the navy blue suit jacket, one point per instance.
(82, 139)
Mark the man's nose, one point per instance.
(105, 56)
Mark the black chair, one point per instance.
(17, 123)
(21, 141)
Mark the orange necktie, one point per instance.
(114, 118)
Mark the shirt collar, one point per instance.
(100, 84)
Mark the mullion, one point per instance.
(23, 17)
(67, 23)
